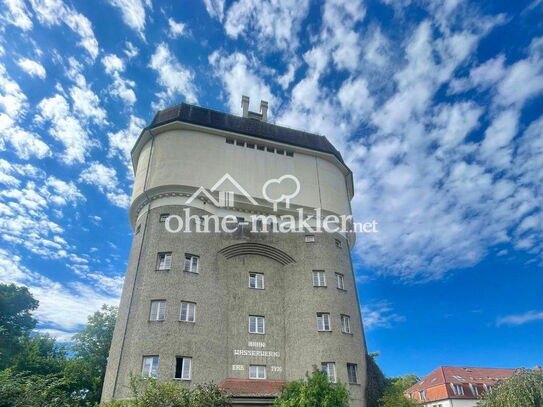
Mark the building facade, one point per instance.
(237, 306)
(449, 386)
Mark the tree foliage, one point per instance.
(152, 393)
(314, 391)
(524, 388)
(394, 392)
(376, 381)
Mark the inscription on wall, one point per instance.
(263, 353)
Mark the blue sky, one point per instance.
(436, 107)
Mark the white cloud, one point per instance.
(176, 29)
(276, 23)
(16, 13)
(133, 13)
(112, 63)
(121, 88)
(380, 315)
(238, 79)
(175, 78)
(105, 179)
(121, 142)
(131, 50)
(55, 12)
(31, 67)
(215, 8)
(520, 319)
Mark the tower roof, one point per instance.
(202, 116)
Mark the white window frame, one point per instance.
(163, 217)
(150, 365)
(257, 372)
(352, 368)
(188, 305)
(323, 322)
(310, 238)
(340, 281)
(189, 261)
(422, 395)
(346, 324)
(256, 277)
(458, 389)
(319, 278)
(186, 360)
(164, 261)
(256, 319)
(474, 389)
(329, 369)
(158, 309)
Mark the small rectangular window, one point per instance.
(270, 149)
(352, 373)
(191, 263)
(163, 217)
(279, 151)
(250, 145)
(183, 368)
(150, 367)
(158, 310)
(338, 243)
(310, 238)
(188, 312)
(164, 261)
(229, 140)
(323, 321)
(329, 369)
(422, 395)
(260, 147)
(319, 278)
(257, 372)
(346, 324)
(290, 154)
(256, 280)
(240, 143)
(340, 281)
(256, 325)
(458, 389)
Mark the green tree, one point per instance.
(16, 305)
(314, 391)
(39, 355)
(524, 388)
(86, 368)
(376, 384)
(394, 392)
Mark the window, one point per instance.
(191, 263)
(257, 372)
(323, 321)
(290, 154)
(329, 369)
(340, 281)
(260, 147)
(458, 389)
(188, 312)
(164, 261)
(163, 217)
(352, 372)
(270, 149)
(338, 243)
(310, 238)
(411, 396)
(150, 367)
(229, 140)
(250, 145)
(319, 278)
(138, 229)
(158, 310)
(346, 324)
(256, 280)
(256, 325)
(183, 368)
(240, 143)
(422, 395)
(474, 389)
(279, 151)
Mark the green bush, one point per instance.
(524, 388)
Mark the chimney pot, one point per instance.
(245, 106)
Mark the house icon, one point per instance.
(226, 198)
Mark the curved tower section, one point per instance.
(220, 287)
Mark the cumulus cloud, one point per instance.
(16, 13)
(380, 315)
(176, 29)
(31, 67)
(121, 88)
(133, 13)
(121, 142)
(215, 8)
(105, 179)
(175, 78)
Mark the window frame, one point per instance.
(345, 317)
(158, 311)
(309, 238)
(143, 365)
(352, 368)
(184, 359)
(318, 273)
(256, 275)
(321, 322)
(188, 303)
(325, 367)
(190, 257)
(163, 215)
(458, 389)
(340, 277)
(159, 262)
(257, 372)
(257, 317)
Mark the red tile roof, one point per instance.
(244, 387)
(463, 376)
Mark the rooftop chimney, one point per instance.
(245, 105)
(264, 110)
